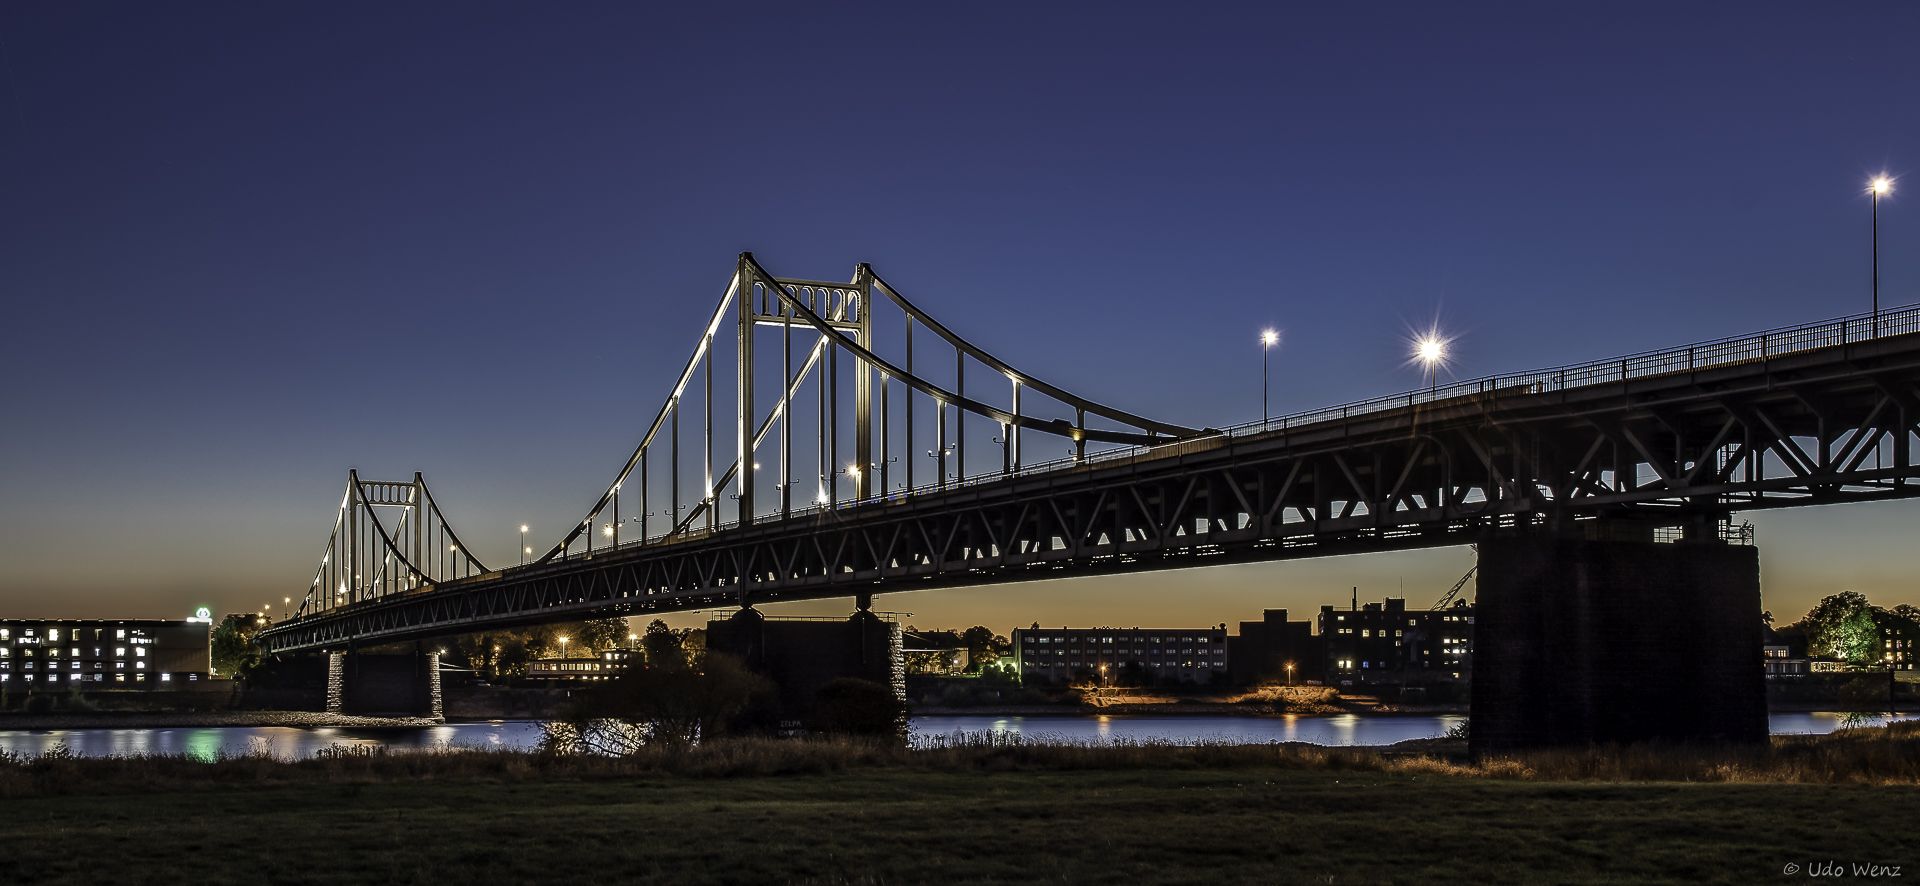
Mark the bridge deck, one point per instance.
(1661, 443)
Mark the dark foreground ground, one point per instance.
(1246, 825)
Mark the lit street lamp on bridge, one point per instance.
(524, 550)
(1877, 187)
(1267, 340)
(1431, 351)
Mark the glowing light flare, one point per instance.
(1431, 350)
(1269, 338)
(1881, 186)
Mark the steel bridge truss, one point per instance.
(1680, 450)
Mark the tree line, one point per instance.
(1849, 627)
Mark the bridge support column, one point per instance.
(1579, 642)
(404, 685)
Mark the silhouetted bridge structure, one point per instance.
(1657, 446)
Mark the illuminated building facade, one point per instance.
(1385, 641)
(1186, 655)
(139, 653)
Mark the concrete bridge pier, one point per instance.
(1580, 642)
(389, 685)
(801, 655)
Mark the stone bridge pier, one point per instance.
(1580, 642)
(801, 655)
(384, 685)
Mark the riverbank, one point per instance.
(762, 811)
(205, 719)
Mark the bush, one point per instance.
(39, 703)
(851, 706)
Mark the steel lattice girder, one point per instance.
(1813, 427)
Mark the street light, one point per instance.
(563, 647)
(524, 550)
(1289, 673)
(1431, 350)
(1268, 339)
(1877, 187)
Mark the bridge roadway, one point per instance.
(1625, 446)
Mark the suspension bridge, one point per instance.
(818, 495)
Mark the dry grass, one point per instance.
(1874, 756)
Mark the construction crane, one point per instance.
(1455, 592)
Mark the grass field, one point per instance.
(1245, 825)
(971, 809)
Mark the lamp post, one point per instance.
(524, 550)
(1431, 351)
(563, 647)
(1878, 187)
(1289, 673)
(1267, 340)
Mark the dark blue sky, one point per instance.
(245, 247)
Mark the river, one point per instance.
(290, 742)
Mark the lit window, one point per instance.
(120, 635)
(139, 664)
(120, 650)
(166, 678)
(140, 651)
(53, 634)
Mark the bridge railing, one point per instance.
(1732, 351)
(1751, 348)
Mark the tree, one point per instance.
(1856, 637)
(981, 649)
(232, 650)
(1907, 611)
(601, 634)
(663, 644)
(1824, 625)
